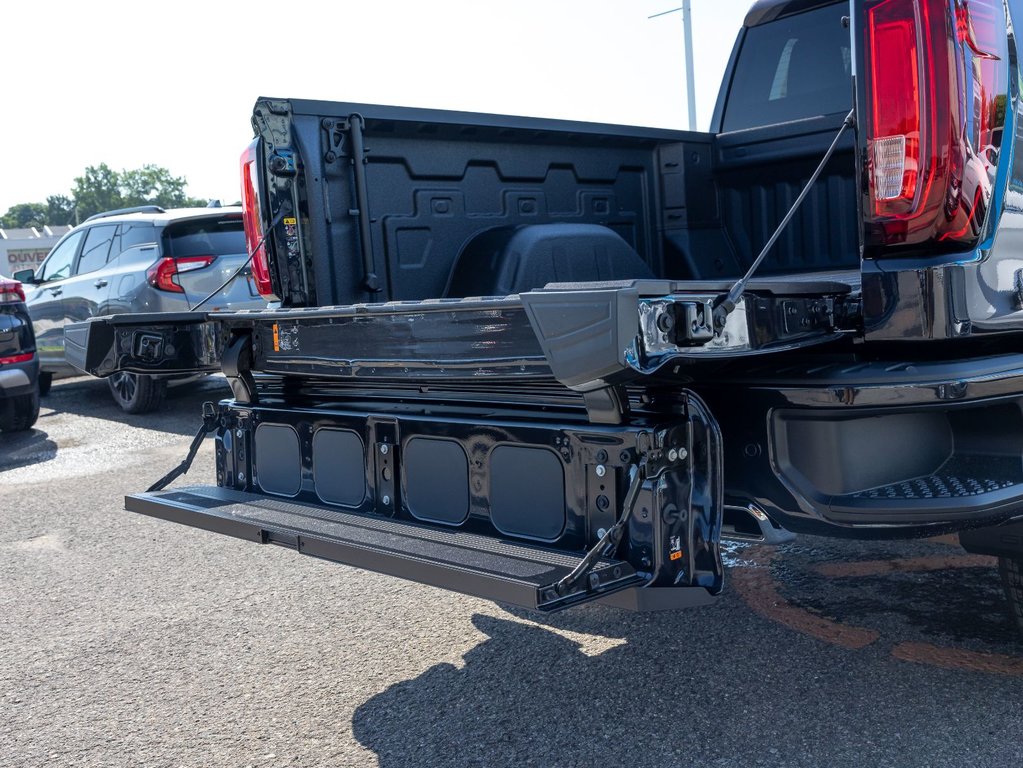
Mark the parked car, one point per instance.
(19, 364)
(143, 259)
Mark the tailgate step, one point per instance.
(483, 566)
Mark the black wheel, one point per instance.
(45, 382)
(19, 413)
(136, 393)
(1012, 580)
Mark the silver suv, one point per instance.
(143, 259)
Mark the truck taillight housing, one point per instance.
(253, 221)
(936, 79)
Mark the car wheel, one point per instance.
(1012, 579)
(45, 382)
(19, 413)
(137, 393)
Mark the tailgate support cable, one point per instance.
(730, 299)
(209, 424)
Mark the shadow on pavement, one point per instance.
(180, 413)
(702, 687)
(19, 449)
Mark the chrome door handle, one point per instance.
(101, 283)
(56, 291)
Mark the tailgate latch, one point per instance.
(687, 323)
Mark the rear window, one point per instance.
(792, 68)
(204, 237)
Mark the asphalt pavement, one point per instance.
(128, 641)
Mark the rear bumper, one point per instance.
(877, 449)
(19, 378)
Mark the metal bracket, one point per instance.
(608, 543)
(607, 405)
(236, 364)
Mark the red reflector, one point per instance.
(253, 223)
(23, 358)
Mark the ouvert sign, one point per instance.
(25, 248)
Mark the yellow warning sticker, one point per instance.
(277, 338)
(290, 221)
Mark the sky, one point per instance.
(173, 84)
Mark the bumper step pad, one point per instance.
(477, 565)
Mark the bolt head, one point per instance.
(384, 449)
(386, 500)
(601, 470)
(601, 532)
(673, 455)
(238, 433)
(241, 477)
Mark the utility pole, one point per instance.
(687, 39)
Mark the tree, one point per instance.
(101, 188)
(98, 189)
(24, 215)
(60, 209)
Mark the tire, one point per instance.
(45, 382)
(19, 413)
(137, 393)
(1012, 579)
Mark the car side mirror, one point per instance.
(25, 276)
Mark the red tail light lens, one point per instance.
(936, 79)
(11, 292)
(253, 222)
(22, 358)
(163, 273)
(894, 103)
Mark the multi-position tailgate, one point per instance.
(588, 337)
(542, 504)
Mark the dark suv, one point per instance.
(143, 259)
(19, 364)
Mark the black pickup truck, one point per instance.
(547, 362)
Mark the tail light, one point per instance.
(11, 292)
(163, 273)
(24, 357)
(253, 222)
(936, 79)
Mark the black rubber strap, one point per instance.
(209, 424)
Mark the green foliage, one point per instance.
(101, 188)
(60, 209)
(97, 189)
(24, 215)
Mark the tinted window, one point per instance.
(58, 264)
(205, 237)
(791, 68)
(131, 235)
(96, 248)
(137, 234)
